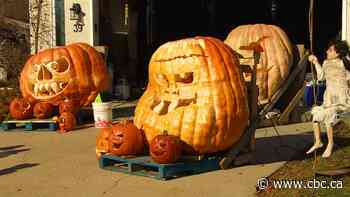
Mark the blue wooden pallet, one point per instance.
(144, 166)
(29, 125)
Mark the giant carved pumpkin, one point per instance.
(196, 92)
(76, 71)
(275, 61)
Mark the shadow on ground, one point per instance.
(16, 168)
(282, 148)
(290, 147)
(11, 147)
(11, 150)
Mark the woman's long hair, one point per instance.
(342, 48)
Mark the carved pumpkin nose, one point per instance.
(44, 74)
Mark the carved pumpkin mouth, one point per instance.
(179, 94)
(160, 149)
(47, 89)
(117, 140)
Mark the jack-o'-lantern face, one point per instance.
(165, 149)
(176, 89)
(125, 139)
(75, 72)
(49, 79)
(195, 92)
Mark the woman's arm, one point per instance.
(320, 72)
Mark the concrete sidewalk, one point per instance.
(40, 164)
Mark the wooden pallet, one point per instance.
(30, 125)
(144, 166)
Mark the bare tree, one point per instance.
(42, 27)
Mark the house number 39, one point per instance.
(78, 27)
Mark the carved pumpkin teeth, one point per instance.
(41, 87)
(54, 87)
(62, 85)
(36, 89)
(173, 105)
(47, 87)
(158, 108)
(162, 107)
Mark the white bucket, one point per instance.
(102, 114)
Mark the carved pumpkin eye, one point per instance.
(36, 68)
(162, 79)
(60, 65)
(184, 77)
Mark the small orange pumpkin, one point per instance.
(68, 106)
(66, 122)
(165, 149)
(21, 109)
(102, 143)
(43, 110)
(76, 71)
(126, 139)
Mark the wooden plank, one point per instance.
(284, 117)
(301, 65)
(30, 121)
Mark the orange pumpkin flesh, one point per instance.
(102, 143)
(126, 139)
(43, 110)
(196, 92)
(76, 71)
(276, 58)
(21, 109)
(66, 122)
(165, 149)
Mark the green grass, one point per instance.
(301, 168)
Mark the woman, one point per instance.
(336, 71)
